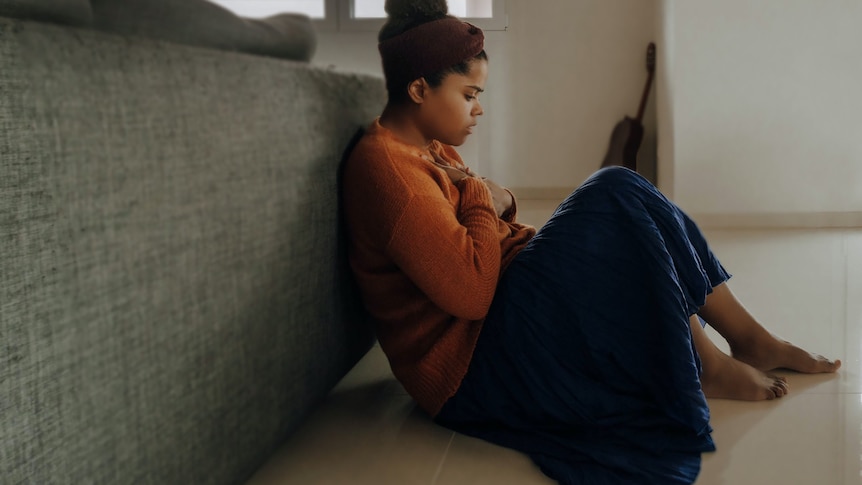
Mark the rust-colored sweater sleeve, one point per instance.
(452, 256)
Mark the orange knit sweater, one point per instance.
(427, 256)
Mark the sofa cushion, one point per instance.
(69, 12)
(174, 290)
(201, 23)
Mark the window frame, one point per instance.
(329, 22)
(346, 22)
(338, 17)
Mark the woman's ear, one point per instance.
(417, 90)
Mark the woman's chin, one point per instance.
(456, 141)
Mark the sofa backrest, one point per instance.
(173, 291)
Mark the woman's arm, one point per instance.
(452, 257)
(503, 199)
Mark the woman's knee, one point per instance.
(611, 182)
(618, 175)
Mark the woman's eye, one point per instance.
(469, 98)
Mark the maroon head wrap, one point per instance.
(430, 47)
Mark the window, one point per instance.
(363, 15)
(460, 8)
(368, 15)
(264, 8)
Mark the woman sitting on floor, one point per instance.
(580, 345)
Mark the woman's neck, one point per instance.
(401, 122)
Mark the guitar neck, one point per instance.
(644, 97)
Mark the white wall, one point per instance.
(564, 73)
(765, 112)
(560, 78)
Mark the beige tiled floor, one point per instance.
(804, 285)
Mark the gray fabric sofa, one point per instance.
(173, 292)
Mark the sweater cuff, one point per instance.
(474, 192)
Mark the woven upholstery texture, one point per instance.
(174, 295)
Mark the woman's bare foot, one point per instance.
(770, 352)
(724, 377)
(751, 343)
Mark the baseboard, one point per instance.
(542, 193)
(724, 220)
(780, 220)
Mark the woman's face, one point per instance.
(449, 112)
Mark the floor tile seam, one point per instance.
(443, 460)
(845, 254)
(823, 393)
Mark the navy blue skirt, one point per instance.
(586, 360)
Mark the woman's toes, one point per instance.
(779, 385)
(824, 365)
(803, 361)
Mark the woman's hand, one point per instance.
(455, 174)
(502, 197)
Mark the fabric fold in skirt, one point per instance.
(586, 360)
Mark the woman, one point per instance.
(580, 345)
